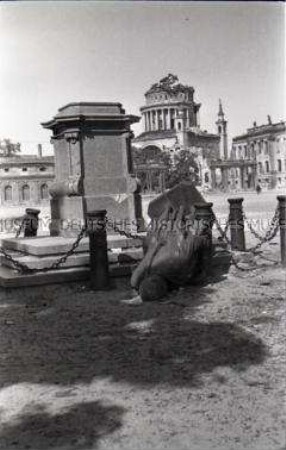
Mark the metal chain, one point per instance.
(243, 269)
(222, 232)
(126, 233)
(269, 235)
(23, 268)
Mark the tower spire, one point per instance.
(222, 132)
(220, 110)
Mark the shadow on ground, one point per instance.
(92, 335)
(72, 429)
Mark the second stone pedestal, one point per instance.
(93, 166)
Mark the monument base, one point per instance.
(41, 252)
(120, 209)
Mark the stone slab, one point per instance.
(76, 260)
(10, 278)
(43, 246)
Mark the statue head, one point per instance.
(153, 288)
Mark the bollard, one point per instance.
(99, 268)
(236, 223)
(204, 219)
(31, 222)
(282, 224)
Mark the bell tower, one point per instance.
(221, 124)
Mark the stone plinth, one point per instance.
(93, 166)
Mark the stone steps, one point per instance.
(42, 252)
(47, 245)
(76, 260)
(10, 278)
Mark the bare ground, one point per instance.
(203, 370)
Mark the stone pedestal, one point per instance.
(93, 166)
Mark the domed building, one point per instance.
(172, 123)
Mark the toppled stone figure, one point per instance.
(175, 255)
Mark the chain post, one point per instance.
(99, 267)
(236, 220)
(282, 224)
(31, 222)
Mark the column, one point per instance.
(224, 178)
(157, 119)
(242, 177)
(169, 119)
(153, 120)
(213, 178)
(164, 118)
(145, 121)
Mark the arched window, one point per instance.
(207, 177)
(44, 192)
(260, 167)
(279, 165)
(8, 193)
(25, 192)
(267, 166)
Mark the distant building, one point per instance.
(171, 123)
(25, 179)
(264, 145)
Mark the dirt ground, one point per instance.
(202, 370)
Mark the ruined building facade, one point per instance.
(265, 146)
(172, 123)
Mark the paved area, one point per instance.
(202, 370)
(205, 369)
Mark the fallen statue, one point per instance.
(176, 254)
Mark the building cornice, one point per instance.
(262, 131)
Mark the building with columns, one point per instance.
(25, 179)
(172, 123)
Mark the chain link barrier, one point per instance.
(24, 269)
(127, 234)
(269, 235)
(223, 233)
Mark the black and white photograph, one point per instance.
(142, 225)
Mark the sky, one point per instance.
(54, 53)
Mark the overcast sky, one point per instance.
(53, 53)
